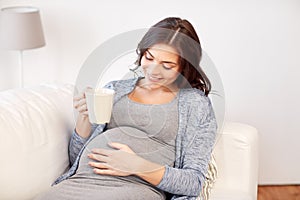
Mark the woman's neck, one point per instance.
(158, 89)
(144, 94)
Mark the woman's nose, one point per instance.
(154, 69)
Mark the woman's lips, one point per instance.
(154, 79)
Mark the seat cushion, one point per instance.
(218, 194)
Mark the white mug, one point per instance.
(99, 104)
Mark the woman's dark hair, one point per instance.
(181, 35)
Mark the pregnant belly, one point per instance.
(147, 147)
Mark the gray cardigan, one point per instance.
(194, 142)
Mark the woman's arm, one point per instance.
(83, 128)
(199, 140)
(153, 176)
(76, 143)
(189, 179)
(124, 162)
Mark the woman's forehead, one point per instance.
(164, 49)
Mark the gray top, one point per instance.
(195, 139)
(149, 130)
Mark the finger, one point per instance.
(85, 113)
(82, 108)
(98, 157)
(99, 165)
(104, 152)
(117, 145)
(120, 146)
(79, 96)
(77, 104)
(105, 172)
(80, 102)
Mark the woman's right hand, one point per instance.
(83, 125)
(79, 102)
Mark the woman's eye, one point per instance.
(167, 67)
(148, 57)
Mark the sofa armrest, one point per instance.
(236, 154)
(35, 127)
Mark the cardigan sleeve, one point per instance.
(198, 141)
(76, 143)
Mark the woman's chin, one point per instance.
(150, 84)
(154, 86)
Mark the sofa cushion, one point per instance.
(210, 179)
(34, 138)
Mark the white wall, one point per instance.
(255, 46)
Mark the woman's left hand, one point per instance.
(120, 162)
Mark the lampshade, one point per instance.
(21, 28)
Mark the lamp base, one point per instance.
(21, 70)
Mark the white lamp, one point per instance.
(21, 29)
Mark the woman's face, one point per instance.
(160, 64)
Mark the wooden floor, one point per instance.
(291, 192)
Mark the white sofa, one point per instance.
(35, 127)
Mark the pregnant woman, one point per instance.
(158, 142)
